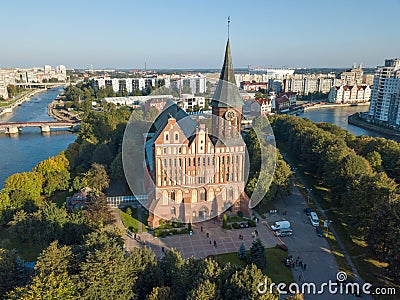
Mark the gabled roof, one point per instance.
(227, 94)
(171, 110)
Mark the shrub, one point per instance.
(129, 210)
(235, 226)
(251, 223)
(240, 214)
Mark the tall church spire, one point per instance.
(227, 93)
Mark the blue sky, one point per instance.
(192, 34)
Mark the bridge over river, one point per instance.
(16, 127)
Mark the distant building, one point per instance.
(158, 103)
(282, 103)
(197, 84)
(135, 100)
(352, 77)
(257, 107)
(78, 200)
(291, 96)
(129, 84)
(189, 102)
(349, 94)
(47, 69)
(385, 99)
(253, 86)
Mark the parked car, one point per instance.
(314, 219)
(319, 231)
(280, 225)
(307, 210)
(284, 232)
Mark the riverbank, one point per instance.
(356, 120)
(25, 96)
(317, 106)
(56, 109)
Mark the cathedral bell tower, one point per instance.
(226, 102)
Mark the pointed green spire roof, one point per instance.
(227, 94)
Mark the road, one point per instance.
(313, 250)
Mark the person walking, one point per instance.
(304, 266)
(208, 234)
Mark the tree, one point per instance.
(152, 114)
(161, 293)
(105, 273)
(244, 285)
(51, 286)
(257, 254)
(206, 290)
(55, 172)
(12, 271)
(30, 183)
(97, 210)
(242, 254)
(97, 178)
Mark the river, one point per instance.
(23, 151)
(338, 116)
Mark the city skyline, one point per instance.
(182, 35)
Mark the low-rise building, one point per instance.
(256, 107)
(190, 102)
(252, 86)
(350, 94)
(78, 200)
(291, 96)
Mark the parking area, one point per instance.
(311, 249)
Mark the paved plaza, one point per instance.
(199, 246)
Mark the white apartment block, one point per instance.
(128, 84)
(197, 83)
(352, 77)
(350, 94)
(190, 101)
(385, 99)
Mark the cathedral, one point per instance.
(199, 172)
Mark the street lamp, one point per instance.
(326, 224)
(309, 195)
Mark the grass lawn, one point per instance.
(275, 269)
(145, 215)
(370, 270)
(130, 221)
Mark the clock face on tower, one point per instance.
(230, 115)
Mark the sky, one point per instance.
(193, 33)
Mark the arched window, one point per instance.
(178, 196)
(230, 193)
(173, 195)
(165, 198)
(194, 196)
(202, 194)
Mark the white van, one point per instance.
(280, 225)
(314, 219)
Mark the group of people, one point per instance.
(254, 233)
(296, 263)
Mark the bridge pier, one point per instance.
(45, 128)
(12, 130)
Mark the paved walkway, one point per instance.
(200, 246)
(323, 260)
